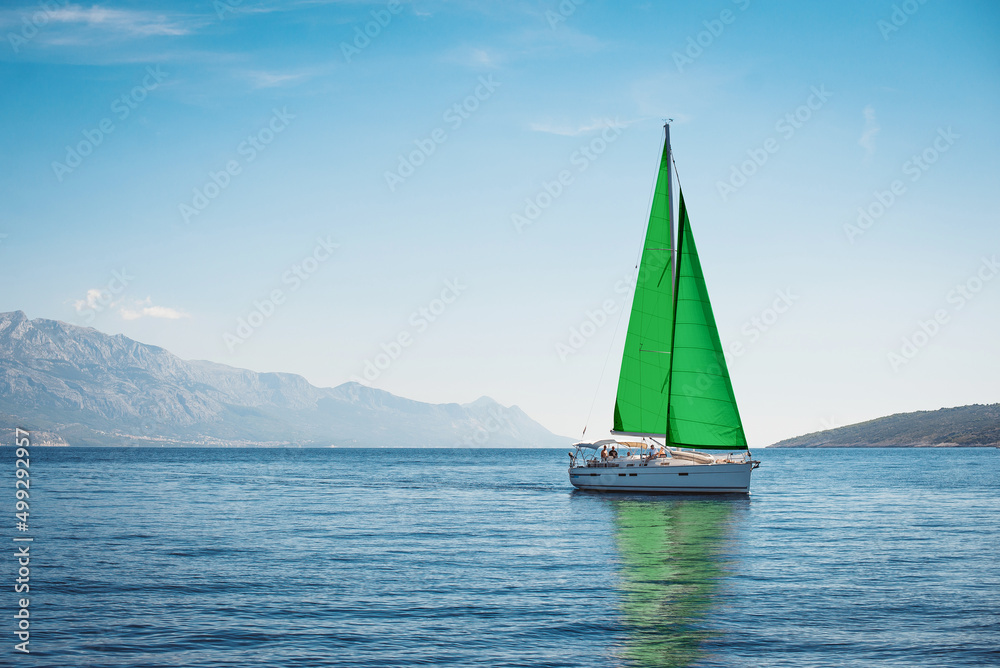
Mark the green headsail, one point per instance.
(702, 411)
(641, 405)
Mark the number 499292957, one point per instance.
(23, 476)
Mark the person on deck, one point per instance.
(604, 453)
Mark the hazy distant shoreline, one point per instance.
(886, 446)
(975, 426)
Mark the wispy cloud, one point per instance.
(523, 45)
(482, 57)
(261, 79)
(575, 130)
(476, 57)
(73, 25)
(152, 312)
(131, 22)
(872, 128)
(98, 300)
(535, 41)
(123, 21)
(91, 301)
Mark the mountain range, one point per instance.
(971, 426)
(78, 386)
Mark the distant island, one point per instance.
(75, 385)
(977, 425)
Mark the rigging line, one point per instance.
(675, 170)
(638, 257)
(603, 370)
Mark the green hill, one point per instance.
(965, 426)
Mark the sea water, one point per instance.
(408, 557)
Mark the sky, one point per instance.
(446, 200)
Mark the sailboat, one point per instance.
(674, 391)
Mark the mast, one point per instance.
(674, 257)
(670, 204)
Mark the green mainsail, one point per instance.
(673, 368)
(641, 406)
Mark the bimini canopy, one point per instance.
(595, 446)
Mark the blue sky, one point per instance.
(172, 168)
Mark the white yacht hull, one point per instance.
(695, 478)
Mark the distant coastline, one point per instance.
(72, 385)
(877, 446)
(974, 426)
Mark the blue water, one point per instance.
(173, 557)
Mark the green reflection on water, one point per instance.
(671, 565)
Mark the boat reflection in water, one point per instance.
(673, 557)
